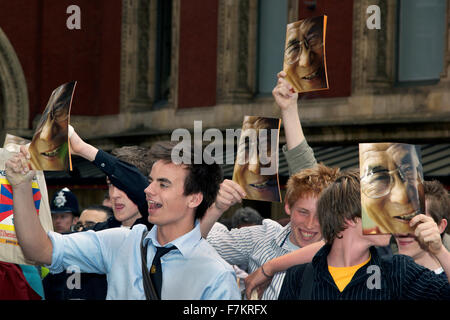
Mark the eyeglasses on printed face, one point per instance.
(295, 47)
(379, 184)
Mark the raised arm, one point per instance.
(33, 239)
(230, 193)
(286, 99)
(298, 153)
(81, 148)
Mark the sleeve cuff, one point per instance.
(105, 162)
(57, 252)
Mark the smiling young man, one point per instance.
(178, 195)
(251, 247)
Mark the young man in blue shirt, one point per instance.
(178, 196)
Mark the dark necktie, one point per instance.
(155, 270)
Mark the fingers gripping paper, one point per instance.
(10, 250)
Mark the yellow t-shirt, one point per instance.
(343, 275)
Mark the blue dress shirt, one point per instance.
(193, 271)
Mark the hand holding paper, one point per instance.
(18, 168)
(304, 55)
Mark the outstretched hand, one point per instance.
(256, 281)
(76, 143)
(18, 168)
(284, 94)
(229, 194)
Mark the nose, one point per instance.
(253, 162)
(150, 189)
(398, 193)
(305, 57)
(46, 132)
(311, 222)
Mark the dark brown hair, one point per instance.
(202, 177)
(437, 201)
(339, 202)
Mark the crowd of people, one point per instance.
(161, 238)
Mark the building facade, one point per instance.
(147, 67)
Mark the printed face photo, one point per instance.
(49, 148)
(304, 61)
(255, 169)
(392, 190)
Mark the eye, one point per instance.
(381, 177)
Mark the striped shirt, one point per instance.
(395, 278)
(251, 247)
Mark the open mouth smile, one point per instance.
(407, 217)
(153, 205)
(307, 235)
(311, 76)
(263, 185)
(52, 153)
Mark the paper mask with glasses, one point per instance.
(391, 187)
(304, 54)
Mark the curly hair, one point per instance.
(201, 177)
(309, 182)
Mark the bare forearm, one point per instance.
(88, 152)
(81, 148)
(299, 256)
(211, 216)
(32, 238)
(292, 127)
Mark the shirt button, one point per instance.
(102, 165)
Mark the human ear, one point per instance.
(442, 225)
(195, 199)
(287, 209)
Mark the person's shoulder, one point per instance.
(292, 283)
(122, 232)
(209, 256)
(296, 272)
(269, 225)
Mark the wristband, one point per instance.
(265, 274)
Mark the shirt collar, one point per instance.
(281, 237)
(185, 244)
(320, 259)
